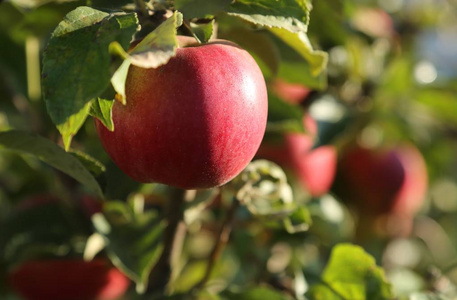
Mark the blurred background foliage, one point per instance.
(391, 80)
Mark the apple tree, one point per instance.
(228, 149)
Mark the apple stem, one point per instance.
(222, 240)
(174, 235)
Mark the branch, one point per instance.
(174, 235)
(223, 238)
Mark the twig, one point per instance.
(173, 237)
(223, 238)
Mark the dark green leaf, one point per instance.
(50, 153)
(25, 236)
(133, 240)
(352, 274)
(284, 117)
(200, 8)
(292, 15)
(102, 110)
(76, 63)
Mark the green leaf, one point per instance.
(76, 63)
(25, 234)
(154, 50)
(262, 187)
(96, 168)
(284, 117)
(200, 9)
(256, 293)
(71, 126)
(203, 31)
(50, 153)
(133, 240)
(300, 43)
(298, 221)
(292, 15)
(91, 164)
(351, 274)
(102, 110)
(259, 45)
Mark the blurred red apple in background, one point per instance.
(314, 168)
(293, 93)
(386, 181)
(195, 122)
(70, 279)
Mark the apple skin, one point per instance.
(193, 123)
(314, 168)
(387, 181)
(70, 279)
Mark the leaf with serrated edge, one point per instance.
(76, 63)
(102, 110)
(159, 46)
(154, 50)
(299, 42)
(292, 15)
(50, 153)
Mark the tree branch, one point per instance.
(223, 238)
(174, 235)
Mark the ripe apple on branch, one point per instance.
(195, 122)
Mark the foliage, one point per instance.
(373, 74)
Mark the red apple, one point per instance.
(387, 181)
(195, 122)
(314, 168)
(70, 279)
(293, 93)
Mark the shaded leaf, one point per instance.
(102, 110)
(292, 15)
(200, 8)
(50, 153)
(259, 45)
(76, 63)
(284, 117)
(133, 241)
